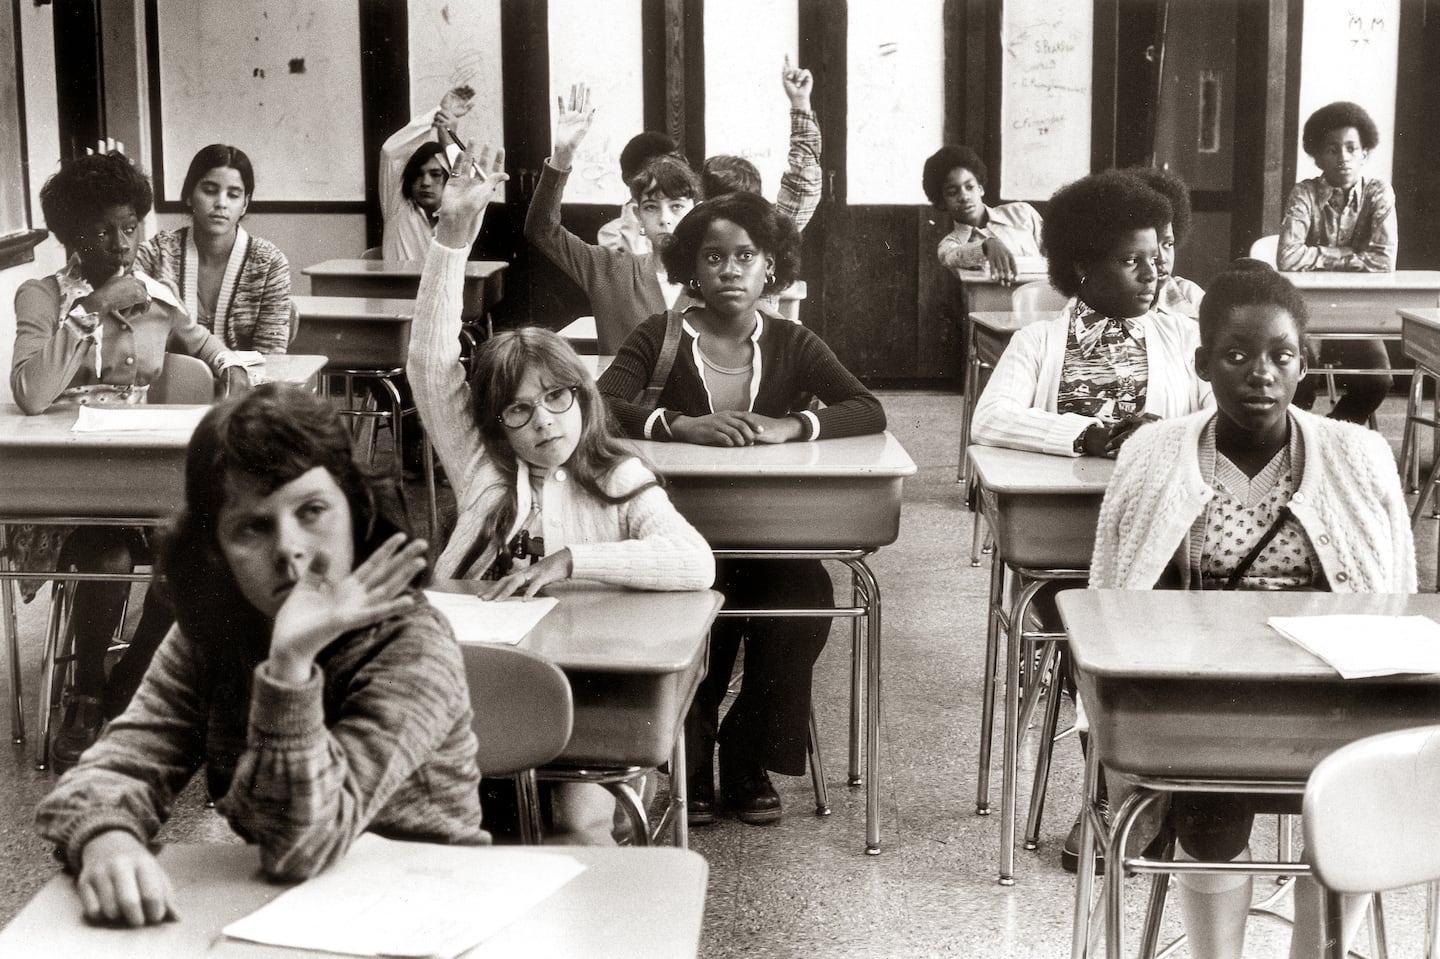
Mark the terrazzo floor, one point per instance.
(804, 887)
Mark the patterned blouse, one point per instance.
(1241, 513)
(1106, 367)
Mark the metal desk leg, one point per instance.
(12, 637)
(1090, 834)
(987, 696)
(1115, 844)
(857, 668)
(679, 792)
(817, 769)
(872, 705)
(1014, 635)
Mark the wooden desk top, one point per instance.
(51, 429)
(1006, 321)
(627, 902)
(878, 455)
(1024, 472)
(357, 308)
(474, 269)
(609, 630)
(292, 367)
(1338, 280)
(983, 277)
(1214, 634)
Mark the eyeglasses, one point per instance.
(518, 415)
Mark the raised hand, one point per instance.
(326, 603)
(473, 184)
(121, 882)
(798, 83)
(457, 101)
(529, 580)
(571, 125)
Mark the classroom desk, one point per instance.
(634, 660)
(1420, 338)
(987, 333)
(627, 902)
(1216, 701)
(400, 279)
(1364, 304)
(1042, 510)
(835, 499)
(985, 294)
(355, 332)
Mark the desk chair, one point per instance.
(183, 379)
(1371, 822)
(523, 715)
(1267, 248)
(373, 253)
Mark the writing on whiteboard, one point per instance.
(1045, 105)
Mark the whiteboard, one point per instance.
(1350, 51)
(598, 42)
(453, 44)
(278, 79)
(896, 115)
(1046, 66)
(746, 111)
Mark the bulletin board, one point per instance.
(1350, 51)
(458, 44)
(746, 111)
(280, 79)
(896, 98)
(598, 43)
(1047, 63)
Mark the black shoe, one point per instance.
(78, 733)
(748, 791)
(700, 797)
(1070, 853)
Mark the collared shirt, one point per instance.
(1106, 367)
(1327, 228)
(1018, 225)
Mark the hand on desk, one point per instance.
(531, 579)
(1105, 440)
(233, 381)
(1000, 259)
(734, 428)
(122, 882)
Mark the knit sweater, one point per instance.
(1349, 503)
(378, 738)
(641, 543)
(791, 366)
(623, 288)
(252, 311)
(1018, 406)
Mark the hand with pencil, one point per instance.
(571, 125)
(798, 83)
(470, 189)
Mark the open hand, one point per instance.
(571, 125)
(473, 184)
(122, 882)
(798, 83)
(530, 579)
(326, 603)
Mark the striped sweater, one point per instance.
(378, 739)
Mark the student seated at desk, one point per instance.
(1256, 495)
(984, 237)
(97, 332)
(321, 692)
(543, 491)
(1176, 294)
(625, 233)
(1342, 220)
(413, 171)
(1081, 383)
(235, 285)
(738, 375)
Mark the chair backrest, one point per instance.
(294, 321)
(1037, 296)
(523, 710)
(1266, 248)
(183, 379)
(374, 253)
(1371, 816)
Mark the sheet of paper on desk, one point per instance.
(388, 898)
(132, 419)
(1359, 646)
(480, 621)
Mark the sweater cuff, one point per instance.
(91, 824)
(283, 713)
(657, 427)
(808, 416)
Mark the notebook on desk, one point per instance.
(1359, 646)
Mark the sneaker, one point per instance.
(1070, 852)
(748, 792)
(78, 732)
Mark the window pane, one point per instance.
(453, 44)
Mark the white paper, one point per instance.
(388, 898)
(476, 620)
(250, 359)
(131, 419)
(1359, 646)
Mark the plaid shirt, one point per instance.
(1327, 228)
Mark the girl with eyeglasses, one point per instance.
(544, 490)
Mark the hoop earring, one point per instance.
(769, 277)
(693, 286)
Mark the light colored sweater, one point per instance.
(408, 229)
(1349, 503)
(641, 543)
(1018, 406)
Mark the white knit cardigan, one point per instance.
(641, 543)
(1017, 410)
(1349, 503)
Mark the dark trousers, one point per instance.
(1361, 394)
(769, 721)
